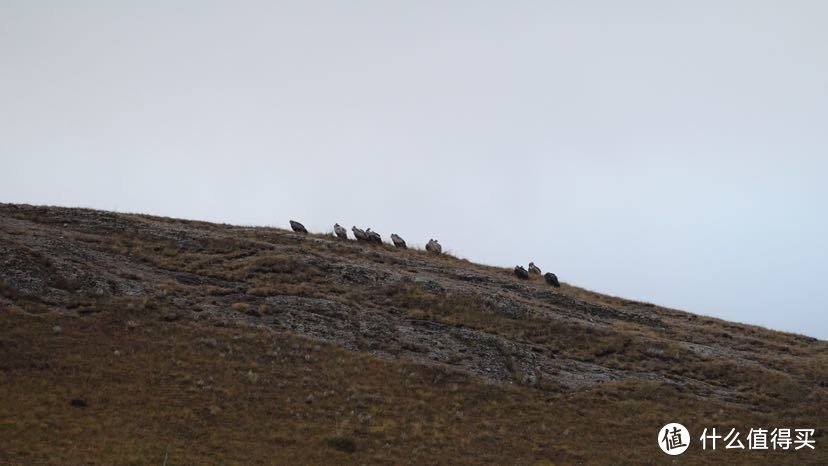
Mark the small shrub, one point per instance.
(64, 283)
(7, 291)
(342, 443)
(218, 291)
(251, 376)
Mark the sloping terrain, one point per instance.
(128, 339)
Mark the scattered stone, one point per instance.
(428, 284)
(251, 376)
(116, 353)
(132, 324)
(654, 352)
(57, 330)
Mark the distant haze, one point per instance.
(673, 152)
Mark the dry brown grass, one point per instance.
(278, 398)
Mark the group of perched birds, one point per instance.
(369, 236)
(432, 246)
(524, 274)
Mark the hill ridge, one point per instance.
(395, 306)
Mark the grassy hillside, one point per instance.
(128, 339)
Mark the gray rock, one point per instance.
(428, 284)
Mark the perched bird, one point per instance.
(434, 246)
(373, 236)
(360, 235)
(534, 269)
(398, 241)
(340, 232)
(521, 272)
(297, 227)
(551, 279)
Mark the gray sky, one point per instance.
(674, 152)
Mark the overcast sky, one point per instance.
(673, 152)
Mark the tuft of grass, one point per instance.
(418, 314)
(241, 307)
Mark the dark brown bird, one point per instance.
(373, 236)
(521, 272)
(434, 247)
(551, 279)
(360, 235)
(297, 227)
(398, 241)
